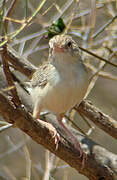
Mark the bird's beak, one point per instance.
(58, 49)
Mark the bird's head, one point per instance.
(63, 46)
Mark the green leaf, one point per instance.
(56, 28)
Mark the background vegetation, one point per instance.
(94, 25)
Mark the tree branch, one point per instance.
(99, 163)
(20, 63)
(9, 78)
(103, 121)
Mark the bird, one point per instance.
(60, 83)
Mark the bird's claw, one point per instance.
(53, 132)
(56, 136)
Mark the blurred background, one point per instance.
(93, 24)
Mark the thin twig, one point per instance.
(95, 55)
(15, 98)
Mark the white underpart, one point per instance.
(66, 87)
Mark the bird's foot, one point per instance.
(82, 154)
(56, 136)
(52, 131)
(77, 146)
(83, 160)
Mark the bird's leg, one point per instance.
(76, 144)
(56, 136)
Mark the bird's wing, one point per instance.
(40, 76)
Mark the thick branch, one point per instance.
(103, 121)
(99, 163)
(20, 63)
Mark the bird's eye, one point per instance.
(69, 44)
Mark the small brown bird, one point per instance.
(61, 83)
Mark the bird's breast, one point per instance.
(65, 89)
